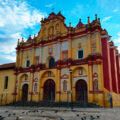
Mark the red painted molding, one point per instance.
(65, 76)
(58, 92)
(14, 93)
(35, 80)
(94, 92)
(31, 93)
(95, 75)
(114, 70)
(106, 64)
(90, 60)
(118, 71)
(35, 93)
(60, 38)
(80, 76)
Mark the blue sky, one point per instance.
(19, 18)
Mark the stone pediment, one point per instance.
(52, 27)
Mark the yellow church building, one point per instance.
(64, 64)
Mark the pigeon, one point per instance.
(56, 111)
(42, 111)
(17, 118)
(61, 118)
(98, 116)
(9, 115)
(91, 117)
(14, 114)
(2, 118)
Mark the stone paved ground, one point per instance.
(33, 113)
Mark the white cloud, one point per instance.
(117, 41)
(8, 44)
(1, 24)
(118, 34)
(115, 10)
(19, 15)
(119, 49)
(6, 58)
(106, 18)
(15, 17)
(12, 58)
(50, 5)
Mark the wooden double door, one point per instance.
(81, 91)
(49, 90)
(25, 92)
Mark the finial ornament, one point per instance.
(88, 20)
(34, 35)
(80, 20)
(22, 40)
(98, 19)
(95, 16)
(70, 24)
(18, 41)
(30, 36)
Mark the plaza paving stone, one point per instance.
(40, 113)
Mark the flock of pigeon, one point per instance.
(7, 115)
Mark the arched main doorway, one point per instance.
(49, 90)
(25, 92)
(81, 91)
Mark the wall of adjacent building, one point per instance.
(6, 95)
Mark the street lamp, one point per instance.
(70, 70)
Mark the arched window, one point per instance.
(80, 54)
(80, 71)
(35, 86)
(51, 63)
(49, 73)
(95, 84)
(6, 83)
(27, 63)
(64, 85)
(26, 77)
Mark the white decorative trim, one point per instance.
(80, 78)
(62, 84)
(34, 86)
(114, 47)
(118, 54)
(104, 36)
(23, 83)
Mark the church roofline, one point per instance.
(7, 66)
(53, 16)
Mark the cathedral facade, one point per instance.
(64, 64)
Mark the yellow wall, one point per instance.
(89, 42)
(7, 93)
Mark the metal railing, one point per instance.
(11, 100)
